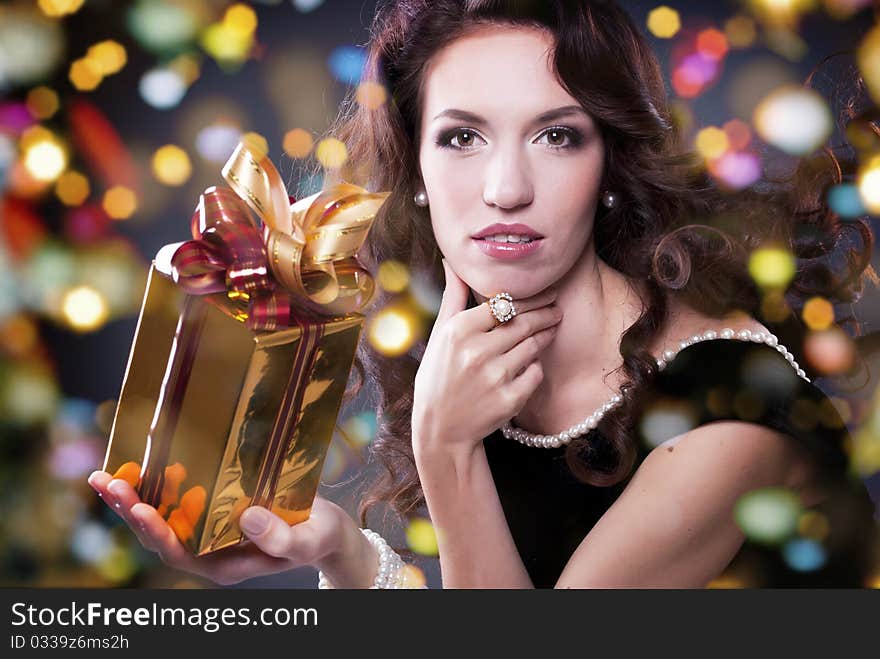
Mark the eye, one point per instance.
(559, 134)
(465, 138)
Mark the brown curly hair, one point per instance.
(672, 221)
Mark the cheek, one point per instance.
(454, 196)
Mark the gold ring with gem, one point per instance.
(502, 308)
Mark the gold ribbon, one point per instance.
(311, 244)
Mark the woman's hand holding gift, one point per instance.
(328, 540)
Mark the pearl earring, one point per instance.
(421, 198)
(609, 199)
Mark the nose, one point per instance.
(508, 182)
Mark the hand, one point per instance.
(474, 376)
(329, 536)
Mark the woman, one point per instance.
(545, 124)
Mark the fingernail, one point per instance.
(138, 520)
(254, 521)
(116, 486)
(92, 478)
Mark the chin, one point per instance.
(517, 289)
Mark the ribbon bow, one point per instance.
(302, 260)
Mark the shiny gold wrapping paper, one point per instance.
(242, 417)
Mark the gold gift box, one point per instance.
(213, 417)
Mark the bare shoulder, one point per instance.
(799, 467)
(673, 525)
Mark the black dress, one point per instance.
(549, 511)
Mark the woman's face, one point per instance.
(488, 156)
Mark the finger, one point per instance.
(98, 480)
(509, 335)
(521, 387)
(455, 296)
(480, 318)
(120, 503)
(238, 563)
(518, 358)
(300, 543)
(126, 498)
(161, 537)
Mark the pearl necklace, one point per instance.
(585, 426)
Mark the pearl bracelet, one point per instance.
(390, 573)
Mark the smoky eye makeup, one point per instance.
(574, 137)
(444, 139)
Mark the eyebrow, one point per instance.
(550, 115)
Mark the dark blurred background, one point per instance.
(116, 115)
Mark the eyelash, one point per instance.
(575, 138)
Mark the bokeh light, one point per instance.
(42, 102)
(818, 313)
(666, 420)
(84, 309)
(869, 184)
(392, 331)
(736, 169)
(420, 536)
(33, 45)
(298, 143)
(216, 142)
(86, 224)
(768, 515)
(712, 43)
(693, 74)
(120, 202)
(664, 22)
(18, 335)
(257, 144)
(240, 19)
(226, 43)
(187, 66)
(72, 188)
(868, 57)
(739, 135)
(393, 276)
(804, 554)
(85, 75)
(780, 12)
(171, 165)
(865, 447)
(28, 395)
(57, 8)
(45, 159)
(711, 142)
(163, 26)
(814, 525)
(360, 429)
(793, 119)
(162, 88)
(48, 270)
(772, 267)
(845, 200)
(331, 153)
(114, 269)
(830, 351)
(740, 31)
(306, 6)
(411, 577)
(371, 95)
(347, 64)
(108, 57)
